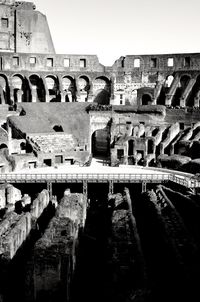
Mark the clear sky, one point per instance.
(114, 28)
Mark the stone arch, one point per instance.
(169, 80)
(2, 146)
(194, 98)
(83, 84)
(21, 89)
(52, 85)
(102, 90)
(69, 88)
(58, 128)
(4, 90)
(38, 88)
(183, 82)
(100, 142)
(146, 99)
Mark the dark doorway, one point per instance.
(130, 147)
(47, 162)
(146, 99)
(101, 143)
(150, 147)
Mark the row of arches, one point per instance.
(182, 90)
(51, 88)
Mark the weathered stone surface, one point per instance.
(55, 252)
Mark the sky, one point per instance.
(114, 28)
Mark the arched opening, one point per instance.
(169, 81)
(194, 93)
(184, 80)
(84, 87)
(102, 90)
(146, 99)
(38, 90)
(68, 84)
(4, 90)
(21, 89)
(130, 147)
(53, 87)
(165, 89)
(23, 146)
(3, 146)
(101, 143)
(58, 128)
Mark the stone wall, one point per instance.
(9, 195)
(23, 29)
(14, 237)
(39, 204)
(14, 228)
(55, 252)
(55, 80)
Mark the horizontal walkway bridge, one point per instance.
(125, 174)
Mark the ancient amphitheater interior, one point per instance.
(99, 171)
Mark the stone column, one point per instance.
(49, 189)
(12, 100)
(19, 96)
(144, 186)
(85, 189)
(34, 94)
(111, 187)
(90, 94)
(2, 96)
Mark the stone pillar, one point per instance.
(111, 187)
(196, 101)
(168, 100)
(48, 97)
(112, 88)
(49, 189)
(85, 189)
(34, 94)
(90, 94)
(2, 99)
(144, 186)
(12, 100)
(19, 96)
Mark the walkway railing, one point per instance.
(18, 177)
(99, 177)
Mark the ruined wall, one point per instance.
(14, 228)
(39, 204)
(83, 78)
(32, 30)
(9, 195)
(23, 29)
(14, 231)
(7, 26)
(2, 196)
(55, 252)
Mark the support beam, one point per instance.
(49, 188)
(111, 187)
(85, 189)
(144, 186)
